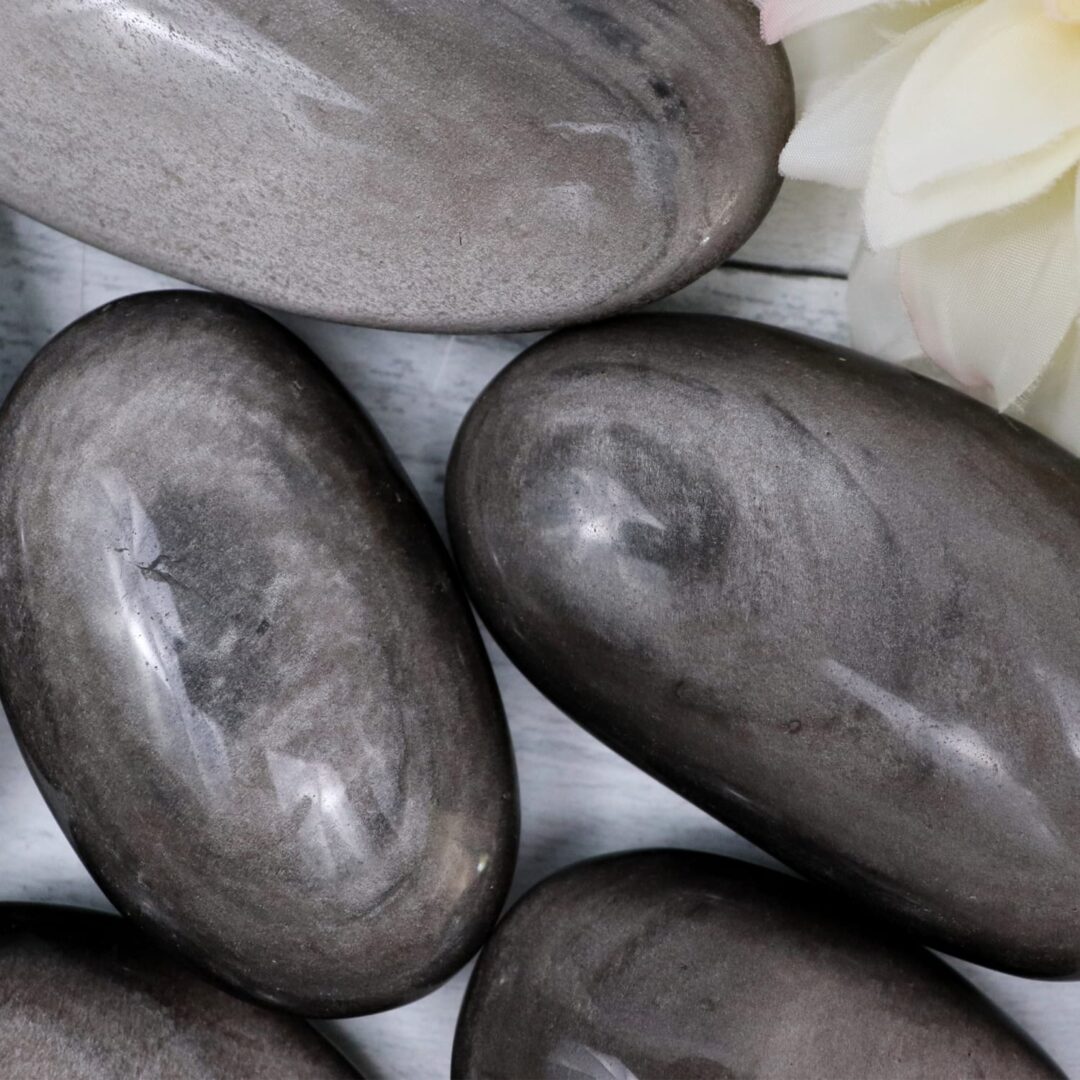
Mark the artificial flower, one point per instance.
(959, 123)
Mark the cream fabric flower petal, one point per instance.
(992, 299)
(1053, 405)
(780, 18)
(1063, 10)
(965, 139)
(834, 141)
(1000, 82)
(892, 220)
(826, 53)
(880, 324)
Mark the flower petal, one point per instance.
(834, 141)
(779, 18)
(880, 324)
(892, 220)
(1001, 81)
(823, 55)
(991, 299)
(826, 53)
(1053, 405)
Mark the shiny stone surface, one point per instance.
(834, 604)
(399, 163)
(236, 657)
(87, 998)
(672, 964)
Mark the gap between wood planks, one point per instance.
(782, 271)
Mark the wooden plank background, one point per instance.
(578, 798)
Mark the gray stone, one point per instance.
(418, 164)
(834, 604)
(236, 657)
(692, 967)
(87, 998)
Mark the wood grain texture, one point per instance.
(578, 798)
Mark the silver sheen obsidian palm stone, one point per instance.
(236, 657)
(87, 998)
(421, 164)
(672, 964)
(834, 604)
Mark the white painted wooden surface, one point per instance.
(578, 798)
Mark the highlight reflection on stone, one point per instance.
(832, 603)
(87, 998)
(673, 964)
(235, 655)
(403, 163)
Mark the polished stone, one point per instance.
(85, 997)
(401, 163)
(236, 657)
(834, 604)
(692, 967)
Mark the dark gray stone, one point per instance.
(235, 655)
(414, 164)
(691, 967)
(834, 604)
(87, 998)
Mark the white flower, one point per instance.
(960, 124)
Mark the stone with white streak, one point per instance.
(237, 659)
(833, 603)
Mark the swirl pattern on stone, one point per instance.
(674, 964)
(236, 657)
(833, 603)
(414, 164)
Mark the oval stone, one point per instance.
(676, 964)
(834, 604)
(415, 164)
(236, 657)
(86, 997)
